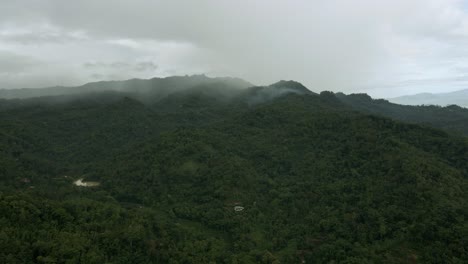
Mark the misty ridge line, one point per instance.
(159, 87)
(221, 88)
(451, 98)
(119, 83)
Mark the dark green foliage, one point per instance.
(317, 181)
(451, 118)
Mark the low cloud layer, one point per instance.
(385, 48)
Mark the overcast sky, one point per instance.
(382, 47)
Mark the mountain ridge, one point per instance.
(459, 97)
(147, 86)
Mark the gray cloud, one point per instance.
(11, 63)
(363, 45)
(113, 65)
(38, 37)
(145, 66)
(141, 66)
(97, 76)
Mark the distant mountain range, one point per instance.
(178, 92)
(157, 88)
(144, 89)
(453, 98)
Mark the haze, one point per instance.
(384, 48)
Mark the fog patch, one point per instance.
(268, 93)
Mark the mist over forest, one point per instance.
(237, 132)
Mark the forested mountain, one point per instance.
(152, 89)
(222, 174)
(451, 118)
(442, 99)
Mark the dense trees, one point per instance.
(317, 181)
(452, 118)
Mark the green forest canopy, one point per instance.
(322, 179)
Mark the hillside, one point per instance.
(273, 174)
(450, 118)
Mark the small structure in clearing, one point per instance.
(238, 208)
(81, 183)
